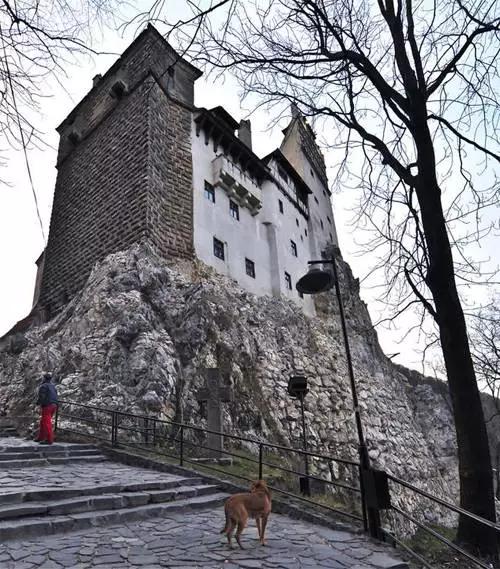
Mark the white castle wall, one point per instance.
(283, 228)
(264, 238)
(242, 239)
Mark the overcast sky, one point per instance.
(20, 234)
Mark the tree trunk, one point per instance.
(476, 476)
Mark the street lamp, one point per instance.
(297, 388)
(315, 281)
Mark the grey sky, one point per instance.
(20, 233)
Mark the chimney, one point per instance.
(294, 110)
(245, 133)
(96, 79)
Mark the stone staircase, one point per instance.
(8, 430)
(34, 455)
(39, 512)
(53, 489)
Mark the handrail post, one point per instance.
(114, 429)
(117, 422)
(364, 506)
(181, 449)
(154, 432)
(146, 430)
(305, 486)
(260, 460)
(376, 497)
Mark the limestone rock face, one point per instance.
(140, 333)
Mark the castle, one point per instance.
(137, 161)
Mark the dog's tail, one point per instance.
(228, 523)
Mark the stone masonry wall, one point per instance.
(129, 177)
(99, 200)
(170, 177)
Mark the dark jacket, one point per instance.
(47, 394)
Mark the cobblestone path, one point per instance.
(74, 475)
(191, 541)
(184, 538)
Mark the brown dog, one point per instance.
(254, 504)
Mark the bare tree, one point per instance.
(407, 90)
(485, 340)
(37, 39)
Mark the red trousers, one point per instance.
(45, 432)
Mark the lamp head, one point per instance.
(316, 280)
(297, 386)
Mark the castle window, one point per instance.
(296, 222)
(321, 223)
(293, 246)
(234, 210)
(329, 220)
(250, 268)
(316, 200)
(331, 237)
(312, 173)
(280, 204)
(209, 192)
(283, 174)
(288, 281)
(219, 249)
(305, 232)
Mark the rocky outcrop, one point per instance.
(140, 333)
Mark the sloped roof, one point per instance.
(290, 170)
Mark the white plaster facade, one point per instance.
(271, 211)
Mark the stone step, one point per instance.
(40, 453)
(36, 447)
(77, 458)
(89, 503)
(47, 525)
(34, 462)
(29, 463)
(47, 494)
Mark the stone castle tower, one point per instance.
(138, 161)
(124, 168)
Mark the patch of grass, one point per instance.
(437, 553)
(338, 502)
(427, 545)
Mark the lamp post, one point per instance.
(315, 281)
(297, 388)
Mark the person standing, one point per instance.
(47, 399)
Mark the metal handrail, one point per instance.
(396, 540)
(273, 465)
(441, 538)
(146, 430)
(87, 420)
(201, 429)
(444, 503)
